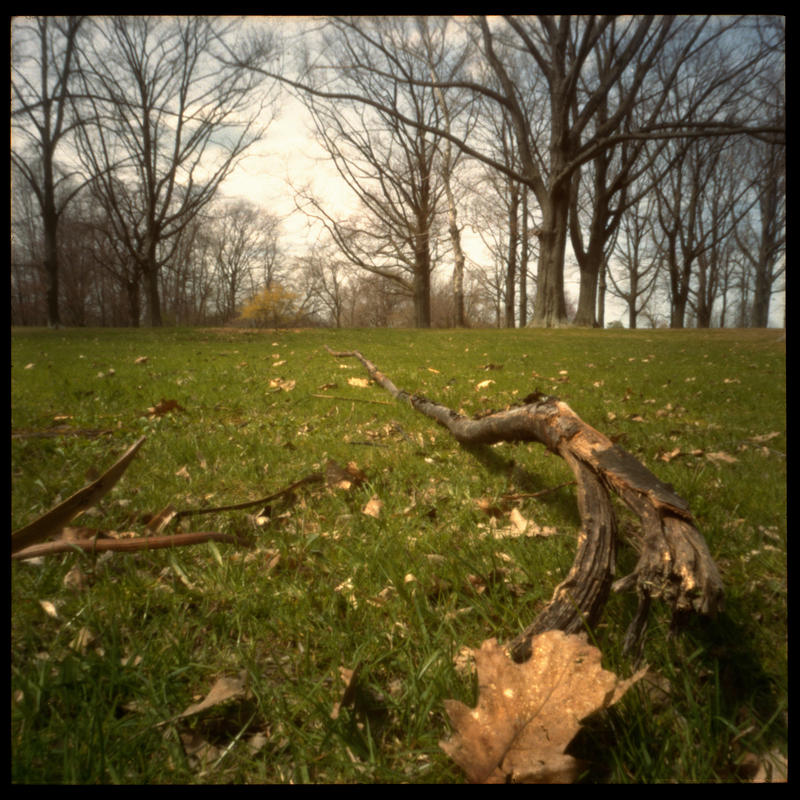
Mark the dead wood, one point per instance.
(674, 563)
(56, 518)
(134, 544)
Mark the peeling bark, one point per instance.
(674, 564)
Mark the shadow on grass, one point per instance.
(721, 704)
(563, 500)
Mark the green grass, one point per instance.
(326, 587)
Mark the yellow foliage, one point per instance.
(271, 307)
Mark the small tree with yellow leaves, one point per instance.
(271, 308)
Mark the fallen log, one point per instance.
(674, 562)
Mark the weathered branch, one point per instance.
(674, 565)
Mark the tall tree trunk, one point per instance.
(50, 225)
(458, 259)
(523, 262)
(422, 282)
(764, 265)
(601, 296)
(550, 308)
(134, 302)
(511, 268)
(150, 272)
(590, 266)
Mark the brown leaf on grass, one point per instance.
(279, 384)
(223, 690)
(49, 608)
(163, 407)
(183, 472)
(721, 458)
(82, 640)
(140, 360)
(765, 437)
(483, 384)
(339, 477)
(527, 714)
(373, 507)
(773, 767)
(361, 382)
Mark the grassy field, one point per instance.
(110, 653)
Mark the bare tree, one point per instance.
(762, 234)
(245, 252)
(577, 89)
(637, 256)
(392, 167)
(43, 69)
(165, 122)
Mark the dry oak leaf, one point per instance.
(527, 714)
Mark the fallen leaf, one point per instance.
(282, 385)
(257, 742)
(75, 579)
(140, 360)
(223, 690)
(373, 507)
(527, 714)
(362, 382)
(773, 767)
(518, 522)
(339, 477)
(721, 457)
(56, 518)
(483, 384)
(765, 437)
(163, 407)
(81, 641)
(434, 371)
(49, 608)
(183, 472)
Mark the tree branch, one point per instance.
(674, 565)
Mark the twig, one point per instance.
(350, 399)
(96, 545)
(526, 495)
(314, 477)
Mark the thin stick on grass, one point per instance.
(98, 545)
(314, 477)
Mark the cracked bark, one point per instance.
(674, 563)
